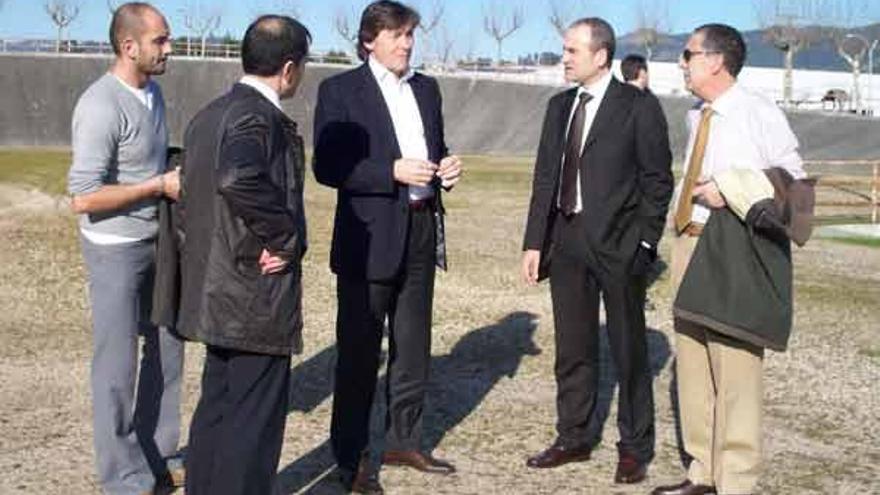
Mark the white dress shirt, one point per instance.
(263, 88)
(747, 131)
(597, 90)
(405, 116)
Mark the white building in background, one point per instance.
(666, 79)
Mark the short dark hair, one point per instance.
(270, 42)
(728, 42)
(128, 20)
(384, 14)
(631, 65)
(601, 35)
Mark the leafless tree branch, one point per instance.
(652, 24)
(200, 22)
(345, 26)
(62, 13)
(495, 23)
(564, 12)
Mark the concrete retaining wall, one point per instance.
(38, 93)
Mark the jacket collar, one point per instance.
(242, 90)
(263, 89)
(370, 92)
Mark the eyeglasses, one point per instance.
(688, 54)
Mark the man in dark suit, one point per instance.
(379, 142)
(601, 189)
(244, 236)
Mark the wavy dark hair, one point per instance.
(384, 14)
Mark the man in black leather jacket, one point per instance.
(244, 235)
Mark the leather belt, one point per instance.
(693, 229)
(421, 204)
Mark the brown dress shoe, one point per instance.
(557, 455)
(418, 460)
(364, 480)
(684, 488)
(630, 470)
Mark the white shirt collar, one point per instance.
(725, 103)
(598, 88)
(382, 74)
(263, 88)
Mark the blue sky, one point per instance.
(27, 18)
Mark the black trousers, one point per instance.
(406, 301)
(575, 287)
(238, 426)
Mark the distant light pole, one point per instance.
(870, 46)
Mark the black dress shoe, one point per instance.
(630, 470)
(557, 455)
(417, 460)
(684, 488)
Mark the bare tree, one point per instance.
(62, 13)
(564, 12)
(434, 16)
(852, 49)
(843, 16)
(652, 24)
(496, 25)
(345, 25)
(431, 17)
(112, 5)
(200, 22)
(786, 25)
(445, 46)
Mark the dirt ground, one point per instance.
(492, 398)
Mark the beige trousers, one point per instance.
(720, 391)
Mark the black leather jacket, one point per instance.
(241, 192)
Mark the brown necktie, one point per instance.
(570, 164)
(685, 201)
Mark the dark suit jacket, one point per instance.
(355, 149)
(626, 178)
(241, 192)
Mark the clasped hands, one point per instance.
(415, 172)
(406, 170)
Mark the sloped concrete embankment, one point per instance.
(482, 117)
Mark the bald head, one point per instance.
(270, 42)
(129, 22)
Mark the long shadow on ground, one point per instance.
(460, 381)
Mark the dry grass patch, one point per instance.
(492, 394)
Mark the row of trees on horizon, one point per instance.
(790, 26)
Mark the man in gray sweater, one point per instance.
(120, 141)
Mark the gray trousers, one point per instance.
(136, 431)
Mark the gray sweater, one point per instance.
(118, 140)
